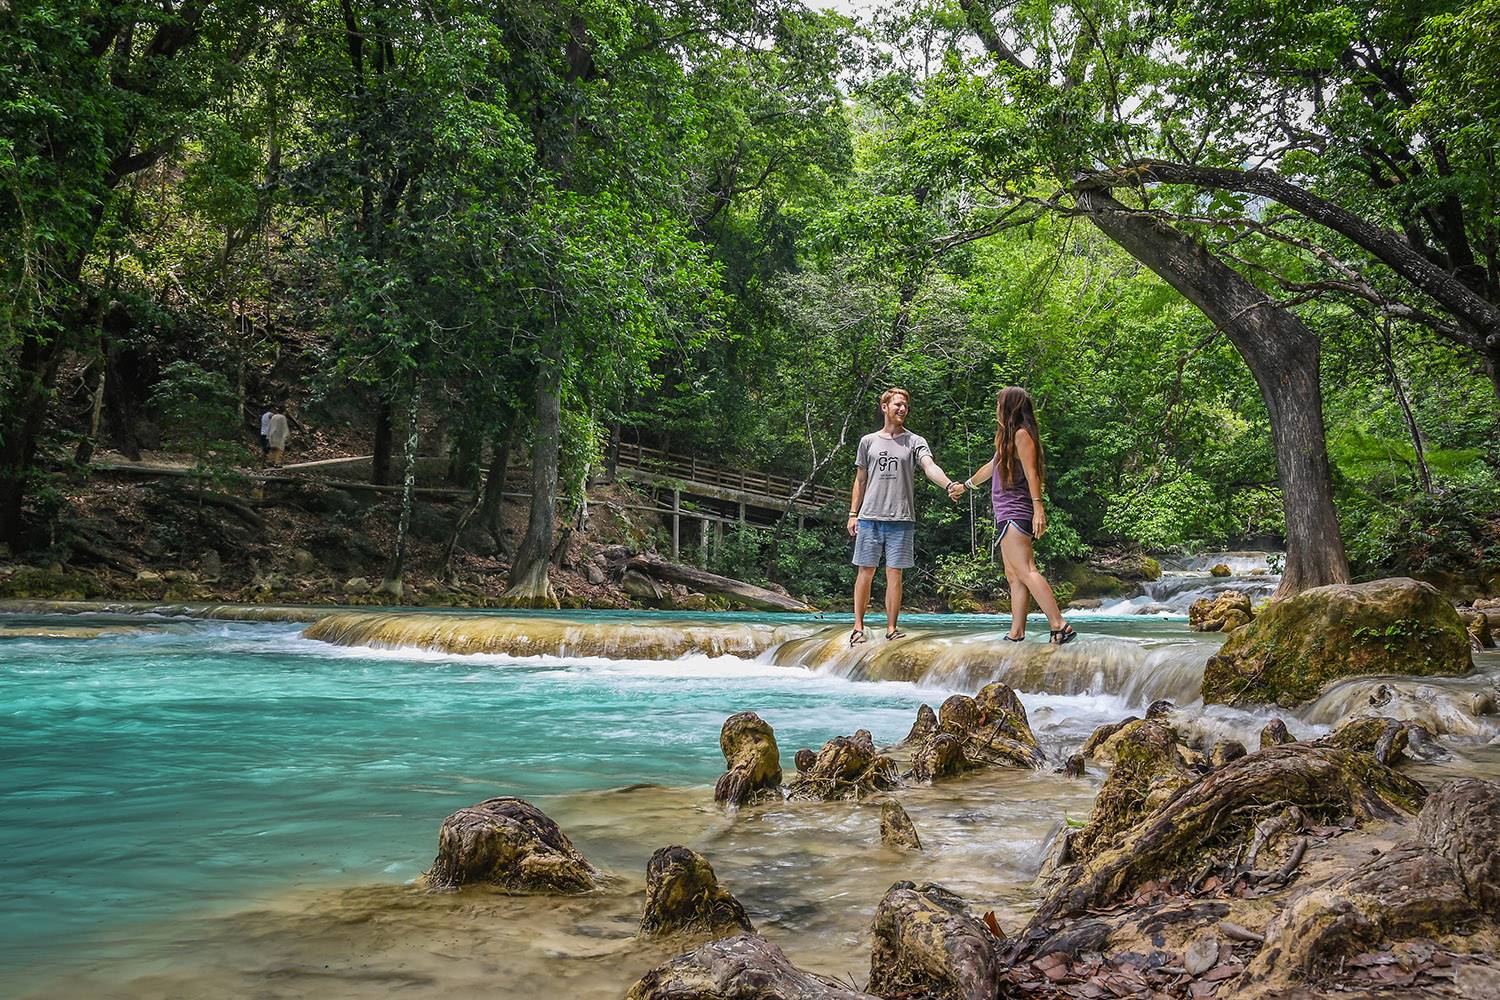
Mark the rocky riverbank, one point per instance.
(1303, 868)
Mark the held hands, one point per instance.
(955, 490)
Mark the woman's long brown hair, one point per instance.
(1012, 412)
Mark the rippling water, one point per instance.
(203, 809)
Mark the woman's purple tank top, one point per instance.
(1010, 502)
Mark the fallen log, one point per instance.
(746, 594)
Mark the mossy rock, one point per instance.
(1297, 645)
(29, 583)
(1089, 582)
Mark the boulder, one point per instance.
(357, 585)
(211, 565)
(1461, 821)
(302, 562)
(1148, 771)
(1090, 582)
(926, 943)
(805, 759)
(642, 588)
(926, 725)
(1220, 569)
(1224, 612)
(1094, 745)
(1293, 648)
(1225, 751)
(1480, 628)
(940, 755)
(692, 602)
(896, 829)
(745, 967)
(1136, 567)
(1441, 882)
(1211, 820)
(144, 576)
(990, 729)
(1275, 734)
(683, 894)
(848, 767)
(752, 759)
(508, 843)
(595, 574)
(1383, 738)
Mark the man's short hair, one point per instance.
(885, 397)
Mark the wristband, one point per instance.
(854, 513)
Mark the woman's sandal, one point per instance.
(895, 634)
(1063, 636)
(1011, 638)
(856, 637)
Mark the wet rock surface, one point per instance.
(684, 895)
(896, 829)
(847, 767)
(745, 967)
(1224, 612)
(926, 943)
(1297, 645)
(510, 844)
(751, 758)
(1148, 770)
(988, 730)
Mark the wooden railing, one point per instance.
(691, 470)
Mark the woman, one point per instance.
(1017, 470)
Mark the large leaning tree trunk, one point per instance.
(529, 586)
(1283, 355)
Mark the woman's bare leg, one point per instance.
(1020, 599)
(1016, 547)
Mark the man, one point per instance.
(265, 435)
(277, 433)
(882, 513)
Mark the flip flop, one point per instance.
(856, 637)
(1011, 638)
(1063, 636)
(896, 634)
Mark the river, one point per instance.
(203, 808)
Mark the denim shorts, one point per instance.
(895, 540)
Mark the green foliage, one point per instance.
(199, 415)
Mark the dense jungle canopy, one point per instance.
(1245, 255)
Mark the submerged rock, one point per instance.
(1224, 612)
(896, 829)
(511, 844)
(1216, 815)
(683, 894)
(927, 943)
(1220, 569)
(1275, 734)
(1383, 738)
(990, 729)
(745, 967)
(1297, 645)
(752, 759)
(848, 767)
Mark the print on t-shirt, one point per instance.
(889, 463)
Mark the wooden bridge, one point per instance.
(682, 489)
(718, 495)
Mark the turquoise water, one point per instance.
(146, 775)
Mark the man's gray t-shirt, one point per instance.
(890, 464)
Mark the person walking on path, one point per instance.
(882, 511)
(265, 434)
(1018, 473)
(277, 432)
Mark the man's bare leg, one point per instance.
(863, 579)
(892, 598)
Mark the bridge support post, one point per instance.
(703, 543)
(676, 525)
(742, 513)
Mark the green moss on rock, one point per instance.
(1297, 645)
